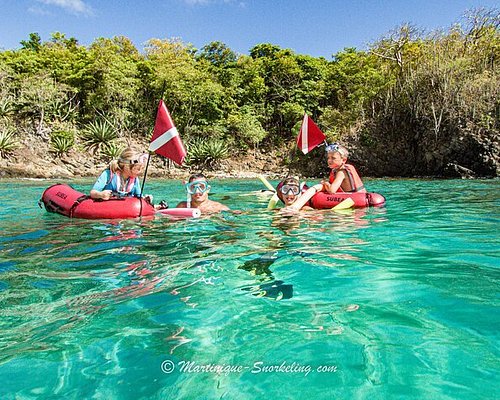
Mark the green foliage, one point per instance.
(62, 141)
(245, 126)
(411, 83)
(355, 79)
(113, 64)
(366, 139)
(34, 43)
(218, 54)
(441, 79)
(98, 134)
(335, 122)
(8, 142)
(44, 101)
(6, 107)
(215, 131)
(194, 94)
(291, 112)
(112, 150)
(264, 50)
(206, 153)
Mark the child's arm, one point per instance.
(302, 200)
(334, 186)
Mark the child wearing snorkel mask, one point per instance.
(197, 189)
(289, 191)
(121, 178)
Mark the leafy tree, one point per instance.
(190, 92)
(282, 77)
(33, 44)
(114, 68)
(354, 80)
(218, 54)
(245, 125)
(41, 99)
(7, 100)
(249, 86)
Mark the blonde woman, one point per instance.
(121, 177)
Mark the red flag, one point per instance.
(310, 135)
(166, 140)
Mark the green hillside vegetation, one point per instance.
(414, 103)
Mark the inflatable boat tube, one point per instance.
(63, 199)
(324, 200)
(180, 212)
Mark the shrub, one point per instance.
(6, 107)
(246, 127)
(97, 134)
(62, 141)
(8, 142)
(206, 153)
(112, 150)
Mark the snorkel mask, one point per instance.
(197, 187)
(290, 185)
(338, 148)
(290, 188)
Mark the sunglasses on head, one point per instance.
(197, 186)
(332, 147)
(335, 147)
(139, 160)
(286, 189)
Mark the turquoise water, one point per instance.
(399, 302)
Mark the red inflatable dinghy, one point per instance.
(63, 199)
(324, 200)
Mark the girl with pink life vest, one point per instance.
(121, 178)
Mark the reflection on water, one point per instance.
(395, 300)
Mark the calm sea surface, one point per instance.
(399, 302)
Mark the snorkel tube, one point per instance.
(272, 203)
(274, 199)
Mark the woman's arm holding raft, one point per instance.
(97, 191)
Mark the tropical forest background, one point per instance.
(414, 103)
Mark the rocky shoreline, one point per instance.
(37, 162)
